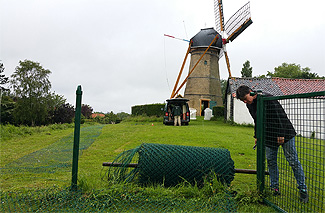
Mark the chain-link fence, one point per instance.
(291, 138)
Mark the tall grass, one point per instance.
(9, 131)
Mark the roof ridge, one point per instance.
(296, 79)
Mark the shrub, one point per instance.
(148, 110)
(218, 111)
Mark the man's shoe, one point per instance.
(304, 195)
(275, 192)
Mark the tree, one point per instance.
(122, 115)
(223, 84)
(111, 117)
(3, 79)
(6, 103)
(86, 110)
(7, 108)
(31, 86)
(292, 71)
(63, 114)
(247, 70)
(54, 101)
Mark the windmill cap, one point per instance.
(205, 37)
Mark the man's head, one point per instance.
(243, 93)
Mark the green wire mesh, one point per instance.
(172, 164)
(56, 156)
(63, 200)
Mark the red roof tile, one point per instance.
(298, 86)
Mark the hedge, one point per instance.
(148, 109)
(218, 111)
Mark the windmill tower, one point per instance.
(203, 88)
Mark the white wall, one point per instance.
(241, 113)
(307, 116)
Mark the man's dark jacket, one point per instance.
(277, 123)
(177, 111)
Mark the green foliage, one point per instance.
(223, 84)
(10, 131)
(292, 71)
(63, 114)
(86, 110)
(247, 70)
(148, 109)
(3, 79)
(7, 109)
(218, 111)
(31, 85)
(110, 118)
(122, 115)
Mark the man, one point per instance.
(177, 111)
(279, 132)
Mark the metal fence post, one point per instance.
(76, 139)
(260, 143)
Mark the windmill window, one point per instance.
(205, 62)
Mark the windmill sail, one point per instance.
(218, 12)
(238, 22)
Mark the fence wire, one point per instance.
(64, 200)
(306, 114)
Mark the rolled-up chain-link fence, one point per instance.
(172, 164)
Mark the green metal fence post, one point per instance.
(260, 143)
(76, 139)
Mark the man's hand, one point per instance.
(280, 140)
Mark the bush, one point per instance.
(218, 111)
(148, 110)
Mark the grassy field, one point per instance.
(115, 139)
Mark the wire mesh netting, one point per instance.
(47, 166)
(56, 156)
(172, 164)
(295, 146)
(64, 200)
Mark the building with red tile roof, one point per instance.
(236, 109)
(94, 115)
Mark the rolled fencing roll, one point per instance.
(172, 164)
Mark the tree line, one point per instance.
(285, 70)
(28, 99)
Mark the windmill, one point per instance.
(203, 87)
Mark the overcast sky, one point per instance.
(117, 52)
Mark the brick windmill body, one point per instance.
(203, 89)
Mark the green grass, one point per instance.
(115, 139)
